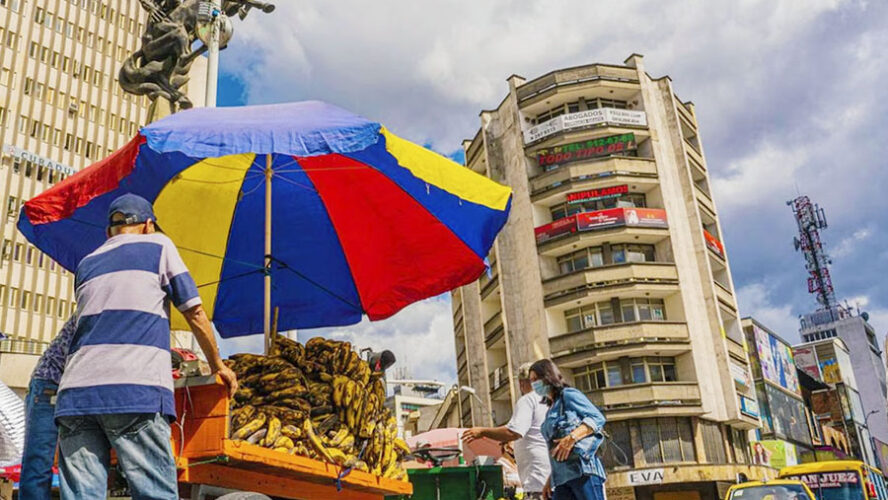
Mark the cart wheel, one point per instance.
(244, 495)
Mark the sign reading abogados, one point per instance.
(593, 148)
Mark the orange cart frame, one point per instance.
(205, 455)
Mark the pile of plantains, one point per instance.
(321, 401)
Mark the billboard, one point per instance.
(774, 453)
(598, 194)
(593, 148)
(787, 416)
(806, 360)
(602, 219)
(583, 119)
(830, 370)
(776, 359)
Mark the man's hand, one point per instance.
(227, 375)
(547, 489)
(563, 448)
(472, 434)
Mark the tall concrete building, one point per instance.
(61, 109)
(612, 264)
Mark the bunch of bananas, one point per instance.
(320, 400)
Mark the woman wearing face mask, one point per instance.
(572, 429)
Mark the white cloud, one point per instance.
(420, 336)
(850, 244)
(757, 300)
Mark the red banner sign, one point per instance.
(598, 194)
(714, 244)
(593, 148)
(603, 219)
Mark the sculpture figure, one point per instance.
(160, 67)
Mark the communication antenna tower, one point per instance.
(811, 219)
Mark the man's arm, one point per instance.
(203, 331)
(502, 434)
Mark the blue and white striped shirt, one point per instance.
(119, 359)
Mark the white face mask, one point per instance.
(540, 388)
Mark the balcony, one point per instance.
(568, 242)
(676, 398)
(684, 112)
(694, 153)
(493, 329)
(596, 72)
(588, 173)
(584, 120)
(489, 286)
(724, 295)
(704, 199)
(620, 339)
(23, 346)
(598, 283)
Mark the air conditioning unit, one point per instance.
(72, 108)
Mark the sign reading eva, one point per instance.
(593, 148)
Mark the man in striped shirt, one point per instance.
(117, 388)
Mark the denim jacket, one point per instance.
(568, 411)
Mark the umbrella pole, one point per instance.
(267, 301)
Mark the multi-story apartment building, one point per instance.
(612, 264)
(61, 109)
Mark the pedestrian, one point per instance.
(573, 430)
(41, 433)
(523, 428)
(117, 388)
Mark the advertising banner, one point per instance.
(636, 217)
(583, 119)
(882, 452)
(603, 219)
(774, 453)
(830, 370)
(740, 374)
(713, 244)
(593, 148)
(778, 366)
(598, 194)
(806, 360)
(553, 229)
(749, 406)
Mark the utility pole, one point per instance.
(213, 53)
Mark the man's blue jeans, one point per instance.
(142, 443)
(41, 436)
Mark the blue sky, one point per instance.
(790, 97)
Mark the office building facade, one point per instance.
(61, 109)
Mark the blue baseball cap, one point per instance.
(134, 208)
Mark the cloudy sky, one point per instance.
(787, 95)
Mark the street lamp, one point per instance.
(871, 439)
(474, 393)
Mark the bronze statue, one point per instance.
(160, 67)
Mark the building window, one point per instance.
(582, 259)
(632, 253)
(63, 306)
(740, 444)
(11, 207)
(667, 440)
(7, 250)
(50, 306)
(17, 252)
(630, 200)
(595, 103)
(661, 369)
(568, 107)
(29, 255)
(38, 303)
(713, 442)
(26, 299)
(13, 297)
(619, 452)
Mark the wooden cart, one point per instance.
(205, 456)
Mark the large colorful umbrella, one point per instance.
(341, 216)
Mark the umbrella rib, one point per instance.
(241, 275)
(286, 266)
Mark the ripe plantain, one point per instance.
(292, 432)
(339, 437)
(242, 415)
(402, 447)
(251, 427)
(257, 436)
(293, 391)
(274, 432)
(283, 441)
(315, 440)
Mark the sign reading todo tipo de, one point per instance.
(593, 148)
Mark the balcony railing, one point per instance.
(646, 395)
(603, 168)
(493, 327)
(618, 334)
(585, 119)
(630, 271)
(602, 219)
(576, 75)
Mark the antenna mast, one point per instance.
(811, 219)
